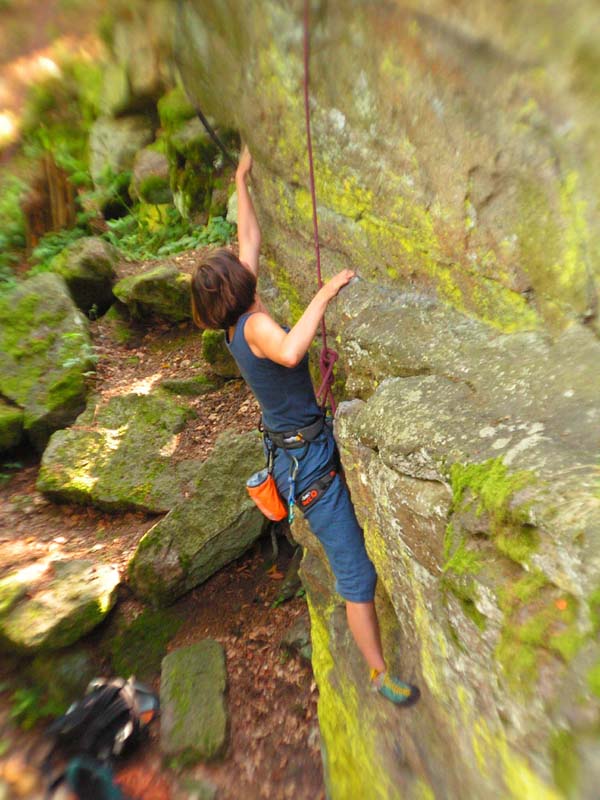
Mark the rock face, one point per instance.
(88, 267)
(44, 352)
(471, 468)
(457, 169)
(162, 291)
(205, 532)
(118, 456)
(51, 609)
(193, 720)
(442, 153)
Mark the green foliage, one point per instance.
(6, 476)
(12, 229)
(84, 354)
(51, 245)
(29, 706)
(138, 238)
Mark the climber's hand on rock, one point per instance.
(338, 281)
(245, 163)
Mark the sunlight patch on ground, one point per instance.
(168, 449)
(9, 128)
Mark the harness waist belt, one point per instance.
(289, 440)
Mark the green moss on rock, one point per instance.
(139, 647)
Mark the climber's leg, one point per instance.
(363, 624)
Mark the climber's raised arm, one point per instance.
(248, 228)
(267, 339)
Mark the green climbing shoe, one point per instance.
(400, 693)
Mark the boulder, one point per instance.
(88, 267)
(56, 605)
(214, 526)
(141, 43)
(45, 351)
(162, 291)
(193, 719)
(11, 426)
(150, 179)
(217, 356)
(118, 455)
(174, 110)
(137, 647)
(115, 98)
(192, 155)
(193, 387)
(62, 676)
(114, 143)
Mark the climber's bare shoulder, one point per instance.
(263, 335)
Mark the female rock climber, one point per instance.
(274, 362)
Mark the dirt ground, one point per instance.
(273, 746)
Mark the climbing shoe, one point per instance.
(400, 693)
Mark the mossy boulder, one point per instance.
(174, 109)
(45, 351)
(191, 154)
(141, 42)
(88, 267)
(193, 387)
(214, 526)
(63, 676)
(150, 178)
(114, 143)
(118, 455)
(139, 646)
(162, 291)
(193, 719)
(217, 356)
(57, 605)
(11, 426)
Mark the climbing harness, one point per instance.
(289, 442)
(207, 126)
(328, 356)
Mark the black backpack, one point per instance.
(110, 719)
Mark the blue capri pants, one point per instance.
(331, 518)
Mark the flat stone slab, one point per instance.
(117, 456)
(51, 606)
(193, 720)
(203, 533)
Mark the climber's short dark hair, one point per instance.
(222, 290)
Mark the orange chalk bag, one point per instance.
(263, 490)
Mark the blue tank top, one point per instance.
(285, 394)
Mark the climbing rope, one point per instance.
(328, 357)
